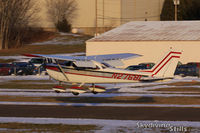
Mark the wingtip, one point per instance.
(30, 55)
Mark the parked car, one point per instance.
(37, 61)
(40, 64)
(141, 66)
(136, 67)
(23, 68)
(197, 64)
(5, 69)
(187, 70)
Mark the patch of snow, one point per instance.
(146, 89)
(99, 104)
(62, 40)
(69, 34)
(53, 94)
(128, 126)
(29, 77)
(185, 79)
(56, 42)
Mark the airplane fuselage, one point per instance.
(107, 75)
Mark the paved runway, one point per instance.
(118, 113)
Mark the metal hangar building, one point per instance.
(150, 39)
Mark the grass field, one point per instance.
(117, 100)
(44, 49)
(51, 48)
(179, 89)
(28, 84)
(41, 128)
(185, 83)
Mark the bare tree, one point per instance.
(61, 13)
(15, 16)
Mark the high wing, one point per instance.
(84, 58)
(111, 59)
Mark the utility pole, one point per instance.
(176, 3)
(103, 13)
(96, 26)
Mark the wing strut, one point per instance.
(63, 72)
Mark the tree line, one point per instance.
(187, 10)
(16, 17)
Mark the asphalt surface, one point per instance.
(117, 113)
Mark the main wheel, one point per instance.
(75, 93)
(57, 91)
(94, 92)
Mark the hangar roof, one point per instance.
(153, 31)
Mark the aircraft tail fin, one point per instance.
(166, 66)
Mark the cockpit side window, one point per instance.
(68, 63)
(73, 65)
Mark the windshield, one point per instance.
(37, 61)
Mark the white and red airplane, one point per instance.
(81, 70)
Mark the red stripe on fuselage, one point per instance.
(162, 61)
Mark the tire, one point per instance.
(75, 93)
(94, 92)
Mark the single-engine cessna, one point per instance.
(81, 70)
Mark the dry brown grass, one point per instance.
(30, 84)
(178, 89)
(26, 86)
(16, 127)
(123, 99)
(43, 49)
(49, 48)
(6, 61)
(26, 99)
(31, 81)
(185, 83)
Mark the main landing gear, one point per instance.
(95, 89)
(59, 89)
(76, 90)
